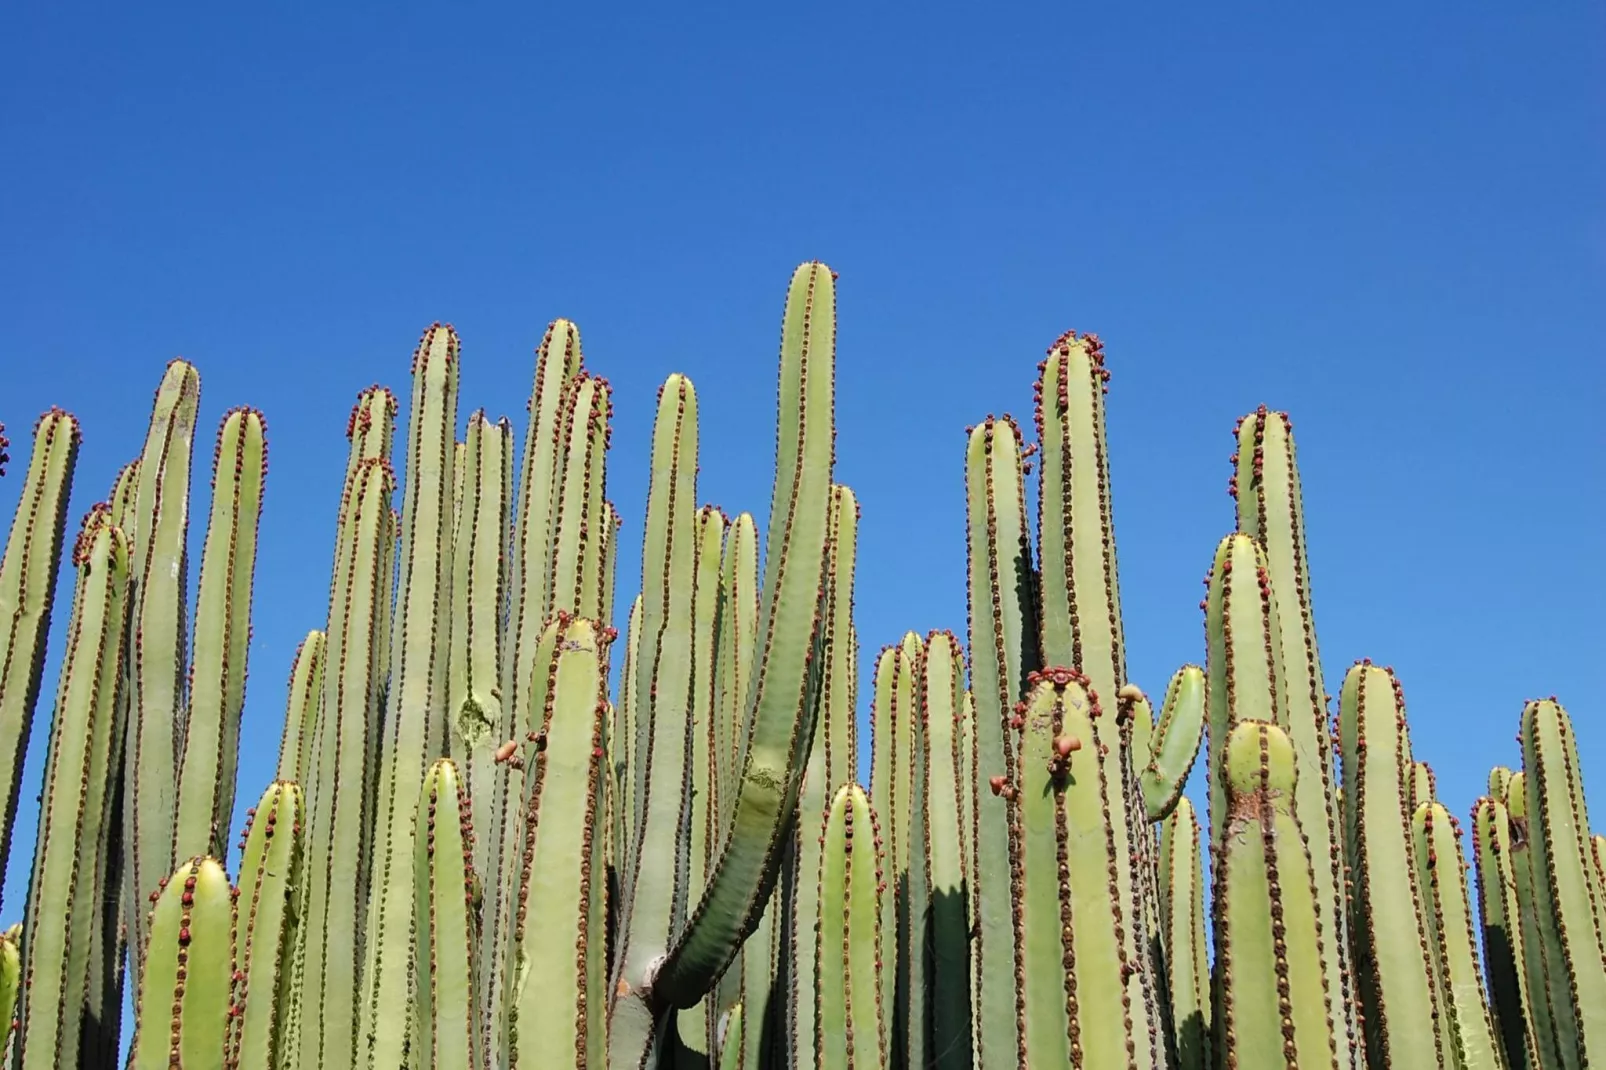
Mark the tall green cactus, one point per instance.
(28, 570)
(267, 918)
(850, 1011)
(185, 1009)
(447, 904)
(1499, 916)
(1182, 937)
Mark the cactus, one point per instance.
(850, 1012)
(10, 984)
(185, 1009)
(1499, 918)
(265, 928)
(447, 903)
(1182, 936)
(28, 569)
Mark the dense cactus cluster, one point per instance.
(504, 835)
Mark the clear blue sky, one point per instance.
(1389, 220)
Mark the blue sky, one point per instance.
(1388, 220)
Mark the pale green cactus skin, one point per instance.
(896, 740)
(1182, 936)
(1499, 916)
(68, 879)
(10, 983)
(850, 1015)
(1466, 1028)
(1272, 1000)
(1551, 1049)
(1569, 896)
(28, 570)
(266, 924)
(1173, 744)
(301, 709)
(447, 905)
(185, 1006)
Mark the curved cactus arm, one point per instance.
(1569, 896)
(1464, 1021)
(1175, 743)
(266, 922)
(1270, 502)
(447, 926)
(785, 692)
(156, 660)
(65, 891)
(1273, 1002)
(1003, 648)
(340, 787)
(1392, 958)
(210, 745)
(850, 1030)
(415, 709)
(301, 709)
(28, 570)
(1182, 936)
(1499, 916)
(185, 1007)
(558, 949)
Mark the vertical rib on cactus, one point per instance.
(894, 743)
(556, 1012)
(157, 649)
(342, 777)
(1182, 936)
(210, 744)
(622, 745)
(1551, 1050)
(1568, 894)
(939, 1028)
(301, 709)
(28, 570)
(415, 712)
(185, 1008)
(581, 523)
(830, 765)
(479, 592)
(447, 925)
(1424, 789)
(64, 894)
(266, 921)
(1392, 958)
(1273, 1004)
(1270, 501)
(1500, 920)
(1003, 648)
(1174, 742)
(1464, 1021)
(654, 895)
(850, 1017)
(738, 632)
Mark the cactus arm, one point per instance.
(447, 905)
(738, 636)
(185, 1005)
(1175, 743)
(160, 523)
(1182, 935)
(851, 1017)
(1500, 921)
(1568, 892)
(265, 927)
(28, 570)
(1274, 1004)
(785, 691)
(64, 892)
(558, 937)
(338, 836)
(301, 709)
(1003, 649)
(1270, 501)
(1424, 788)
(575, 584)
(415, 713)
(1392, 954)
(210, 745)
(1549, 1042)
(1464, 1017)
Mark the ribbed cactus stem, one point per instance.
(1271, 510)
(1499, 916)
(555, 1016)
(301, 709)
(416, 707)
(447, 903)
(1182, 936)
(1174, 743)
(850, 1014)
(1550, 1047)
(895, 744)
(582, 521)
(210, 743)
(1003, 647)
(160, 525)
(1464, 1022)
(1273, 1005)
(65, 892)
(28, 570)
(1392, 958)
(266, 923)
(185, 1009)
(738, 633)
(1569, 895)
